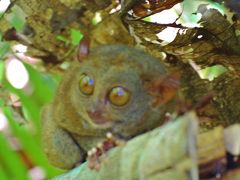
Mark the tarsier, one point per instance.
(115, 89)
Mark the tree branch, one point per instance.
(168, 152)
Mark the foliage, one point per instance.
(22, 131)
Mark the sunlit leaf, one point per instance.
(148, 19)
(4, 4)
(96, 19)
(76, 36)
(212, 72)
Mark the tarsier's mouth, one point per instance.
(98, 118)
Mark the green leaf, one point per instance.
(17, 23)
(4, 48)
(43, 89)
(96, 19)
(3, 174)
(2, 67)
(11, 161)
(147, 19)
(212, 72)
(76, 36)
(30, 143)
(33, 109)
(17, 18)
(44, 84)
(1, 102)
(62, 38)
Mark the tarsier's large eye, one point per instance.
(119, 96)
(86, 84)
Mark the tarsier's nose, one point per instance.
(97, 116)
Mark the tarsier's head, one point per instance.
(117, 88)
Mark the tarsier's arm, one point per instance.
(58, 144)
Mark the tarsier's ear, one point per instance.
(83, 49)
(164, 88)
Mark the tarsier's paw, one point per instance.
(97, 154)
